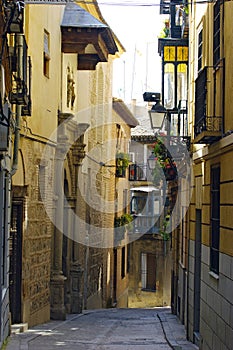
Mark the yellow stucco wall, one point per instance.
(221, 152)
(46, 92)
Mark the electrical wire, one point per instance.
(165, 4)
(142, 4)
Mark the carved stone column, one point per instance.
(76, 293)
(78, 156)
(57, 278)
(76, 272)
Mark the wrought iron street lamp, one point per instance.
(152, 161)
(157, 115)
(157, 112)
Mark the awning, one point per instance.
(145, 189)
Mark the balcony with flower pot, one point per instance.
(122, 163)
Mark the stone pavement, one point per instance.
(107, 329)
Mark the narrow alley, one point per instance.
(109, 329)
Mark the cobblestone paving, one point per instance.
(111, 329)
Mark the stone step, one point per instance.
(19, 328)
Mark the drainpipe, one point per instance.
(223, 69)
(19, 52)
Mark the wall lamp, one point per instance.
(157, 112)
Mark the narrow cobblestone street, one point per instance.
(111, 329)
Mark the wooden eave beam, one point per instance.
(88, 61)
(75, 40)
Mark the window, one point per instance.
(46, 53)
(125, 201)
(123, 262)
(182, 81)
(148, 271)
(128, 259)
(215, 219)
(169, 87)
(216, 36)
(200, 50)
(41, 182)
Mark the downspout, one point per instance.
(188, 274)
(19, 52)
(223, 70)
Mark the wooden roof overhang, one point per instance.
(85, 35)
(123, 111)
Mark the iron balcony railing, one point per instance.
(206, 119)
(138, 172)
(145, 224)
(21, 85)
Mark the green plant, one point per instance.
(186, 9)
(122, 163)
(122, 160)
(4, 345)
(164, 228)
(165, 30)
(122, 223)
(165, 160)
(123, 220)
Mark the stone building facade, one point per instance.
(63, 260)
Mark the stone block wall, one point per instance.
(216, 297)
(37, 230)
(216, 327)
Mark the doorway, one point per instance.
(197, 277)
(15, 269)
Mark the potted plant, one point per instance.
(122, 163)
(165, 160)
(122, 223)
(123, 220)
